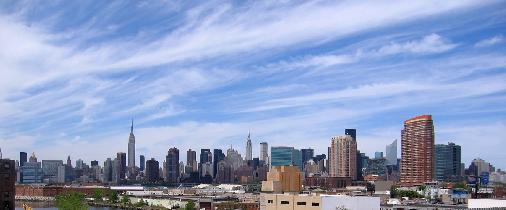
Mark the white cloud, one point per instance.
(490, 41)
(432, 43)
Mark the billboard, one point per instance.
(484, 178)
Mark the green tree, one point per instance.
(98, 194)
(460, 185)
(190, 205)
(113, 197)
(71, 201)
(125, 200)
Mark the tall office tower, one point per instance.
(448, 161)
(378, 155)
(69, 162)
(94, 163)
(33, 158)
(286, 156)
(391, 153)
(249, 152)
(64, 174)
(131, 148)
(7, 184)
(234, 158)
(79, 164)
(121, 156)
(360, 166)
(307, 154)
(50, 170)
(22, 158)
(264, 152)
(343, 157)
(351, 132)
(218, 156)
(142, 162)
(108, 168)
(206, 156)
(478, 166)
(417, 151)
(327, 167)
(152, 170)
(191, 160)
(172, 161)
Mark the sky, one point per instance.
(202, 74)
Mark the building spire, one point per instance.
(132, 127)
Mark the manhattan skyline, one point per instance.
(74, 74)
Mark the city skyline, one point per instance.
(70, 82)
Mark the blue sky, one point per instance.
(200, 75)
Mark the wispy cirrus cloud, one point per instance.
(490, 41)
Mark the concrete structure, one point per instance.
(417, 156)
(283, 179)
(172, 161)
(391, 153)
(7, 183)
(249, 149)
(317, 202)
(343, 156)
(486, 203)
(264, 152)
(448, 162)
(131, 151)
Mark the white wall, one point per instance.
(331, 202)
(486, 203)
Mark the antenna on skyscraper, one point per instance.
(132, 127)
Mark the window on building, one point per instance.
(285, 202)
(301, 203)
(315, 204)
(270, 201)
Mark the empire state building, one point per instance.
(131, 148)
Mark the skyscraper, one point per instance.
(343, 157)
(264, 152)
(50, 169)
(191, 160)
(7, 186)
(69, 162)
(33, 158)
(131, 148)
(378, 155)
(172, 161)
(22, 158)
(391, 153)
(351, 132)
(121, 156)
(448, 162)
(307, 154)
(218, 156)
(108, 168)
(206, 156)
(142, 162)
(152, 170)
(249, 152)
(281, 156)
(417, 151)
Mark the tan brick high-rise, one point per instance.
(343, 157)
(417, 151)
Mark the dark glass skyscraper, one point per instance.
(218, 156)
(172, 161)
(307, 154)
(142, 162)
(121, 156)
(448, 162)
(152, 170)
(351, 132)
(206, 156)
(23, 158)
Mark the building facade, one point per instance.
(218, 156)
(448, 162)
(7, 184)
(50, 170)
(417, 151)
(286, 156)
(191, 161)
(172, 161)
(152, 170)
(391, 153)
(264, 152)
(249, 149)
(343, 157)
(131, 150)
